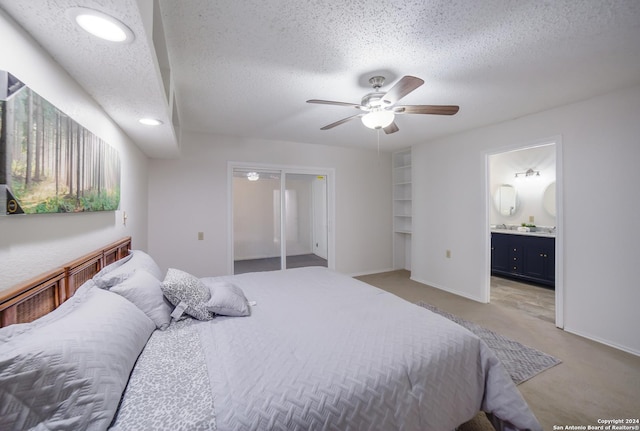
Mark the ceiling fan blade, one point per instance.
(330, 102)
(391, 128)
(344, 120)
(403, 87)
(427, 109)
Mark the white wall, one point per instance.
(529, 190)
(189, 195)
(33, 244)
(600, 158)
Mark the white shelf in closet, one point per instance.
(402, 209)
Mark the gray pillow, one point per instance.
(139, 260)
(68, 370)
(143, 289)
(227, 300)
(78, 298)
(118, 263)
(187, 291)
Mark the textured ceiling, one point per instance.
(122, 78)
(246, 68)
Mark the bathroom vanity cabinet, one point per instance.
(524, 257)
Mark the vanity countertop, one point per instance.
(516, 232)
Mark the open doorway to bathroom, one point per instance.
(524, 217)
(280, 218)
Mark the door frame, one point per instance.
(559, 242)
(319, 197)
(328, 173)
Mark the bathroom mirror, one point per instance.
(549, 199)
(505, 200)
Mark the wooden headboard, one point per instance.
(40, 295)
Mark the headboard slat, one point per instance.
(44, 293)
(9, 317)
(38, 305)
(82, 271)
(35, 297)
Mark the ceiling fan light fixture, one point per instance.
(150, 121)
(378, 119)
(101, 25)
(379, 108)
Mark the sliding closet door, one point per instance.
(305, 220)
(256, 220)
(281, 217)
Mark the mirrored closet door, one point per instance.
(280, 219)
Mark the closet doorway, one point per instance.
(524, 215)
(281, 217)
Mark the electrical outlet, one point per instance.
(530, 219)
(448, 254)
(200, 236)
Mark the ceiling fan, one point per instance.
(379, 108)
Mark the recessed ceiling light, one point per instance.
(101, 25)
(150, 121)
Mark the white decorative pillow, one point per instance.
(139, 260)
(143, 289)
(227, 300)
(187, 292)
(68, 369)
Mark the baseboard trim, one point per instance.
(601, 341)
(373, 271)
(446, 289)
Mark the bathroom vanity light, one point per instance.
(101, 25)
(528, 173)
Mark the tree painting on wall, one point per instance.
(48, 162)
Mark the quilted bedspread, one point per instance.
(322, 351)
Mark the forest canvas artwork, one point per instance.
(48, 162)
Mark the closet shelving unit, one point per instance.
(402, 209)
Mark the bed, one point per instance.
(123, 346)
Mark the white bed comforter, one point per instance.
(322, 351)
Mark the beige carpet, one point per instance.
(593, 381)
